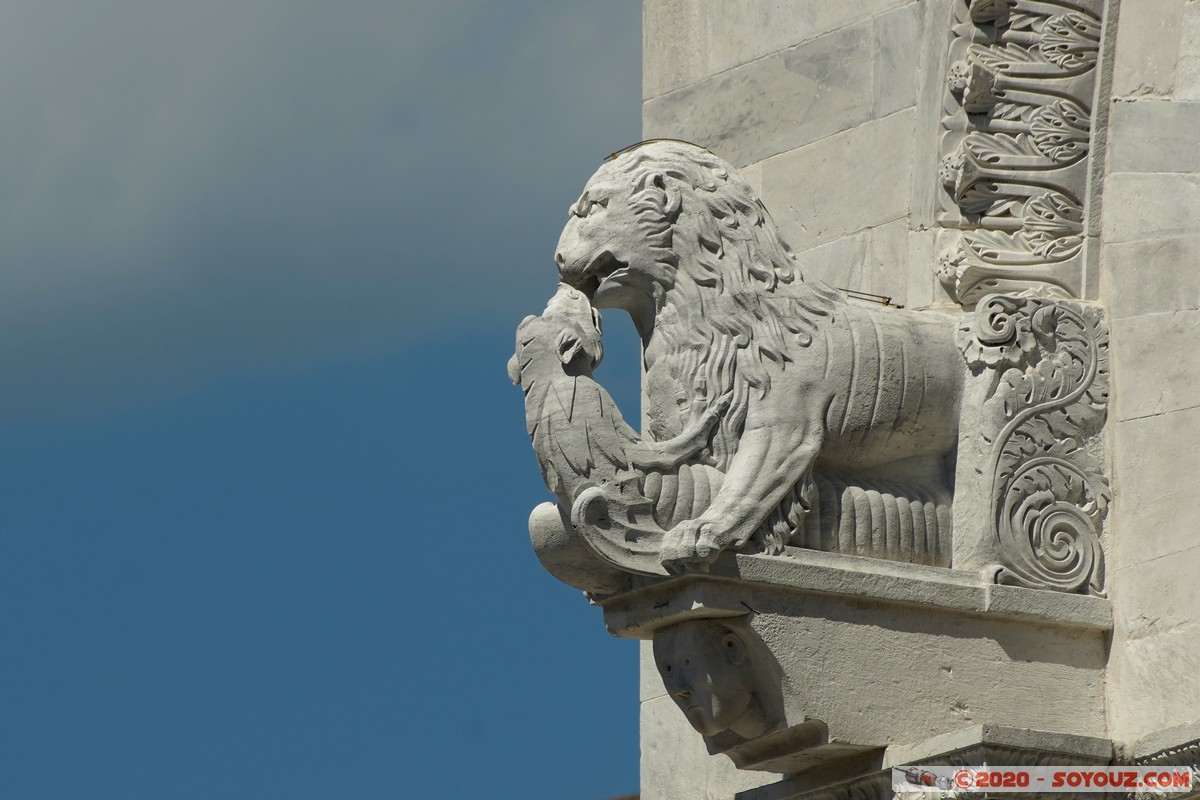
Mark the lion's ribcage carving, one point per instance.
(900, 369)
(881, 486)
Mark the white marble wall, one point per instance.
(1150, 281)
(808, 98)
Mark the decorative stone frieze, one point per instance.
(1017, 138)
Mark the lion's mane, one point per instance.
(756, 305)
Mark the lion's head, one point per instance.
(674, 235)
(667, 213)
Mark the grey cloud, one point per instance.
(190, 189)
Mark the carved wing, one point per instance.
(579, 435)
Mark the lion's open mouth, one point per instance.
(601, 269)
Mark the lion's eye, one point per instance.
(586, 205)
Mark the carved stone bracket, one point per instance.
(1017, 137)
(1047, 396)
(823, 664)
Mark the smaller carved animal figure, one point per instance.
(591, 459)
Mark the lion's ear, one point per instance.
(568, 346)
(674, 201)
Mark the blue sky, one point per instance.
(266, 480)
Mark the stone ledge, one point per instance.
(993, 745)
(1179, 745)
(654, 603)
(1086, 750)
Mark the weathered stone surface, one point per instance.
(1147, 47)
(884, 673)
(674, 761)
(1145, 277)
(799, 185)
(1086, 749)
(689, 40)
(1149, 380)
(1154, 460)
(1155, 136)
(806, 572)
(1138, 207)
(896, 60)
(1178, 744)
(944, 651)
(1155, 680)
(1144, 607)
(1187, 70)
(815, 92)
(874, 261)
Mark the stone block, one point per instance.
(674, 45)
(812, 191)
(1149, 375)
(1155, 136)
(1187, 71)
(1157, 206)
(897, 60)
(1154, 461)
(775, 104)
(874, 260)
(1153, 682)
(1147, 48)
(924, 289)
(1151, 277)
(1142, 608)
(688, 40)
(1084, 749)
(753, 175)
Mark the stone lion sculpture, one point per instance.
(672, 234)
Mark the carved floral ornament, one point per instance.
(780, 414)
(1017, 139)
(1048, 396)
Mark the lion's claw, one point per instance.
(690, 547)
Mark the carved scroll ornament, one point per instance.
(1048, 398)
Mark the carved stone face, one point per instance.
(703, 666)
(604, 251)
(568, 333)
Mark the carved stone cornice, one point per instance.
(1017, 124)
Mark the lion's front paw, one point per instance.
(690, 546)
